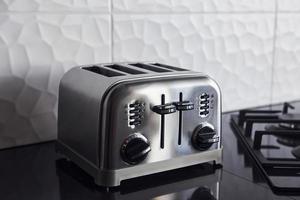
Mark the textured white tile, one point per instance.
(35, 51)
(288, 5)
(55, 5)
(236, 50)
(193, 5)
(287, 59)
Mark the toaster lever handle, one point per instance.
(164, 109)
(184, 105)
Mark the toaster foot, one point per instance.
(217, 165)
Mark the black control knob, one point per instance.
(135, 149)
(204, 137)
(202, 193)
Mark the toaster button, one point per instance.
(164, 109)
(204, 107)
(136, 105)
(134, 117)
(204, 102)
(135, 123)
(204, 96)
(135, 111)
(204, 113)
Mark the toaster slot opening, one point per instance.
(103, 71)
(163, 109)
(169, 67)
(162, 125)
(180, 121)
(125, 69)
(182, 106)
(150, 67)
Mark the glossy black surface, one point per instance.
(37, 172)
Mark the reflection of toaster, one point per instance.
(124, 120)
(199, 182)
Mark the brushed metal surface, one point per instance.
(150, 91)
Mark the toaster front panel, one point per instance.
(156, 120)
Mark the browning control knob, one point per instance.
(135, 149)
(204, 136)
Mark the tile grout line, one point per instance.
(111, 12)
(111, 31)
(274, 52)
(199, 12)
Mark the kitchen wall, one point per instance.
(251, 47)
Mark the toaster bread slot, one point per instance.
(180, 121)
(162, 110)
(169, 67)
(162, 125)
(125, 69)
(182, 106)
(103, 71)
(150, 67)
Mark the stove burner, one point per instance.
(291, 142)
(290, 126)
(296, 152)
(288, 140)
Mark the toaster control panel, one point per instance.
(204, 102)
(191, 124)
(135, 113)
(169, 108)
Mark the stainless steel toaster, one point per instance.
(124, 120)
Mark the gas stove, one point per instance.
(272, 139)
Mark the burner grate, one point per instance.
(243, 125)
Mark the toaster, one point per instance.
(119, 121)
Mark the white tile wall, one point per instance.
(193, 5)
(287, 59)
(55, 5)
(35, 51)
(240, 43)
(288, 5)
(231, 48)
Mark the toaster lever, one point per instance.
(184, 105)
(164, 109)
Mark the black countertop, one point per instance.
(37, 172)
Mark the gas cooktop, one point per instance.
(272, 139)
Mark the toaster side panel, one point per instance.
(80, 95)
(132, 110)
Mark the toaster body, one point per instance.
(125, 120)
